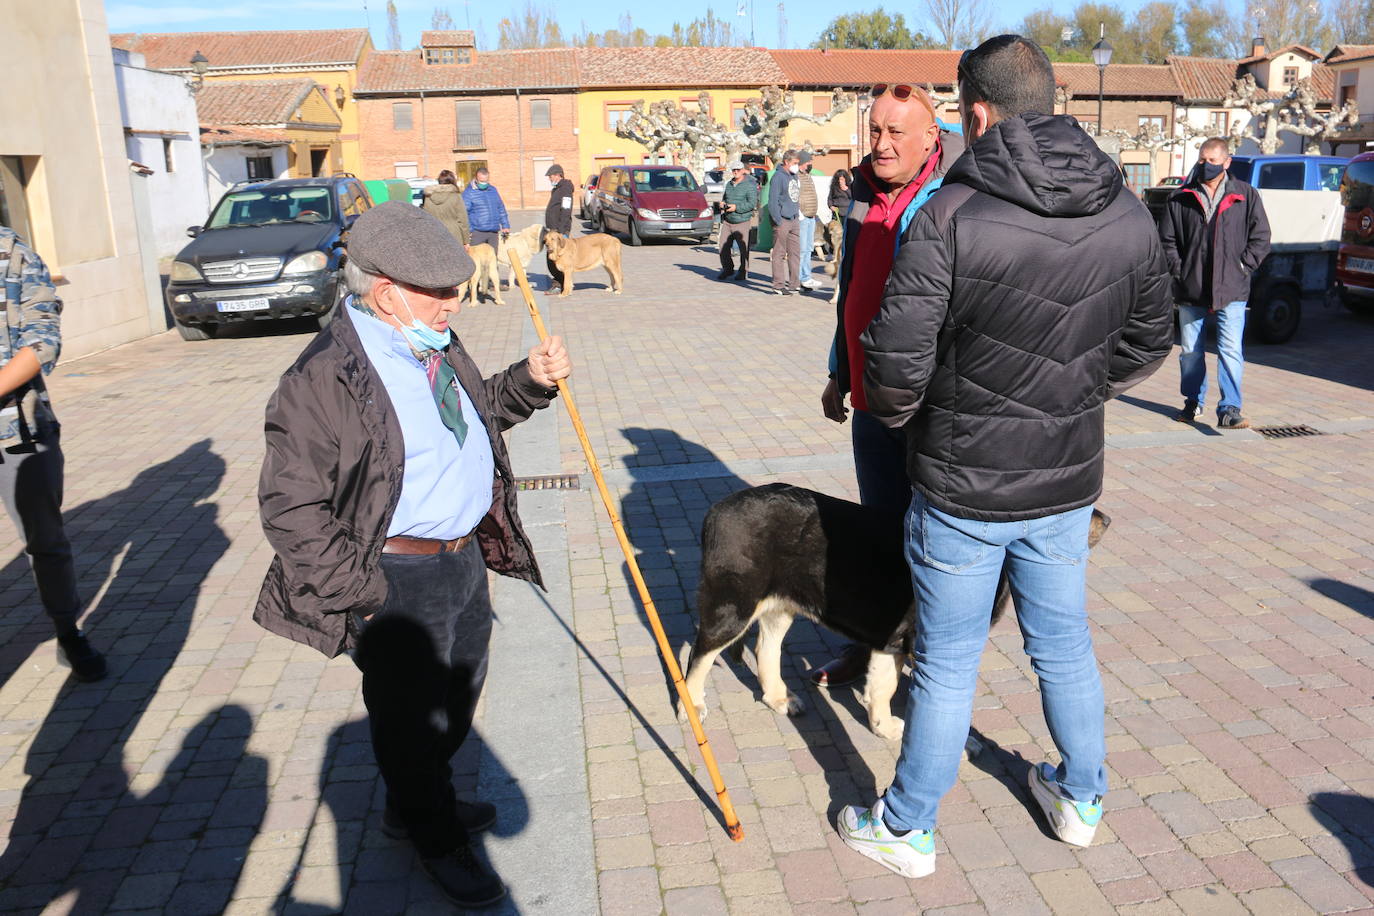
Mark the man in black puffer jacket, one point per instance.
(1031, 288)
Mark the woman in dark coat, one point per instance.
(839, 192)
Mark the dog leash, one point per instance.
(727, 810)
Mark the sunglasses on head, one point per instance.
(902, 92)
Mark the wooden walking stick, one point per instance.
(727, 810)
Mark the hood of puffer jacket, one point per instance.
(1046, 164)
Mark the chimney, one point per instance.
(1257, 48)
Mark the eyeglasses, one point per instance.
(963, 76)
(902, 92)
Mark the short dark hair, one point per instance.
(447, 177)
(1010, 73)
(1213, 143)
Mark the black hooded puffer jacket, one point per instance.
(1028, 292)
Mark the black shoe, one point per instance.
(86, 663)
(474, 816)
(465, 879)
(741, 276)
(723, 275)
(1189, 412)
(1230, 418)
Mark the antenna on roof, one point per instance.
(782, 25)
(366, 17)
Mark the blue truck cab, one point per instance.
(1290, 173)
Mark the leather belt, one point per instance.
(424, 546)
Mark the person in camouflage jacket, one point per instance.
(30, 443)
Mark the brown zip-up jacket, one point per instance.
(332, 477)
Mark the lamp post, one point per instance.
(199, 64)
(339, 96)
(1102, 56)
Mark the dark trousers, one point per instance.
(555, 275)
(424, 659)
(481, 237)
(880, 464)
(786, 254)
(732, 234)
(31, 485)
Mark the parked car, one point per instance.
(417, 189)
(270, 249)
(584, 208)
(1173, 181)
(651, 201)
(1277, 172)
(1355, 261)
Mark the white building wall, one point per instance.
(229, 164)
(158, 111)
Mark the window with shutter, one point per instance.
(539, 114)
(401, 116)
(469, 117)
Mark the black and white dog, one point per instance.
(776, 552)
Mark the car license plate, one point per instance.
(679, 225)
(1363, 265)
(243, 305)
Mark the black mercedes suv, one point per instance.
(270, 249)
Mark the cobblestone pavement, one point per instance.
(221, 769)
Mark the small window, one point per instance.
(1346, 94)
(1290, 76)
(401, 116)
(259, 168)
(406, 169)
(1156, 121)
(464, 55)
(1137, 175)
(616, 112)
(737, 114)
(1219, 123)
(1285, 176)
(820, 105)
(539, 114)
(167, 158)
(469, 117)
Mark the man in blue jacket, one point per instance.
(486, 211)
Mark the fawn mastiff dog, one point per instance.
(485, 276)
(773, 553)
(585, 253)
(523, 245)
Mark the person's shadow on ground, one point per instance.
(1359, 600)
(142, 554)
(1350, 818)
(663, 522)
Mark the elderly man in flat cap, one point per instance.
(387, 493)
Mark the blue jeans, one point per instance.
(955, 564)
(1192, 361)
(806, 231)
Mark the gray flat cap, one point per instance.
(407, 244)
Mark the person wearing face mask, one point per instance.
(910, 155)
(387, 494)
(783, 194)
(486, 211)
(1215, 234)
(998, 373)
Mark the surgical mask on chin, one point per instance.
(421, 337)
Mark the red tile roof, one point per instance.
(251, 101)
(1342, 54)
(851, 67)
(448, 38)
(247, 50)
(635, 67)
(1203, 79)
(1270, 55)
(233, 135)
(1128, 81)
(406, 71)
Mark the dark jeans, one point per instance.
(732, 234)
(424, 658)
(555, 275)
(880, 464)
(31, 484)
(493, 239)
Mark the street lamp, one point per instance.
(199, 64)
(339, 96)
(1102, 56)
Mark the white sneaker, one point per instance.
(1074, 822)
(863, 830)
(811, 283)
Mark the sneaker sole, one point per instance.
(1075, 834)
(921, 868)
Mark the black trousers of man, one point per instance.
(424, 659)
(732, 234)
(31, 477)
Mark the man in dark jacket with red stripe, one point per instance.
(1215, 235)
(1029, 290)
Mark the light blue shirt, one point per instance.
(445, 490)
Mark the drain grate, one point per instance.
(550, 482)
(1287, 432)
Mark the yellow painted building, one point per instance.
(330, 57)
(600, 110)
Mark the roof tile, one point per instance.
(448, 38)
(406, 71)
(251, 101)
(1133, 81)
(173, 50)
(853, 67)
(614, 67)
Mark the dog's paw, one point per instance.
(682, 713)
(789, 705)
(972, 748)
(890, 728)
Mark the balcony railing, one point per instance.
(469, 139)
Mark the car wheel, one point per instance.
(195, 331)
(635, 239)
(1277, 315)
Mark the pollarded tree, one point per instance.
(1297, 111)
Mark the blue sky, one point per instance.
(805, 18)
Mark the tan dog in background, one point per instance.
(523, 245)
(834, 233)
(585, 253)
(485, 276)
